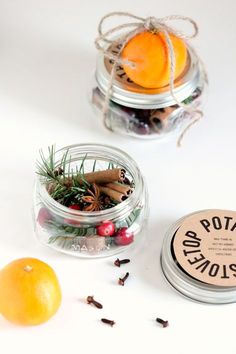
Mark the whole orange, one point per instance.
(149, 53)
(29, 292)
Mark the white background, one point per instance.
(47, 58)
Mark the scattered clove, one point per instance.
(109, 322)
(90, 300)
(118, 262)
(122, 280)
(162, 322)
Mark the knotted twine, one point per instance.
(153, 25)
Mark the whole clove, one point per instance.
(109, 322)
(123, 280)
(162, 322)
(118, 262)
(90, 300)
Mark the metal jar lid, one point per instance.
(127, 93)
(185, 283)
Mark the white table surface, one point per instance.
(47, 58)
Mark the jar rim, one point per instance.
(184, 86)
(184, 283)
(78, 215)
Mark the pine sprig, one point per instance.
(48, 168)
(57, 173)
(65, 236)
(69, 230)
(81, 170)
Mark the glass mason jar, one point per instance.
(148, 113)
(74, 231)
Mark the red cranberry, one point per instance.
(124, 237)
(107, 228)
(70, 221)
(75, 207)
(44, 215)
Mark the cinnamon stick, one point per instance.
(122, 188)
(159, 117)
(50, 187)
(119, 197)
(101, 177)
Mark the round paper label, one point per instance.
(205, 247)
(120, 74)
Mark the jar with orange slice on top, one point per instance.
(149, 81)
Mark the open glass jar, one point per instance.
(148, 113)
(76, 232)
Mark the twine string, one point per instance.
(124, 32)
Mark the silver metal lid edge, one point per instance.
(186, 285)
(147, 101)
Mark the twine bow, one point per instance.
(151, 24)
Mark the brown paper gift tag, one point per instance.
(205, 247)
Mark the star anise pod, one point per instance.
(93, 199)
